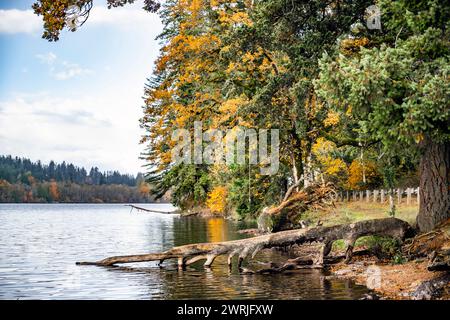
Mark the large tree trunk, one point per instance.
(434, 185)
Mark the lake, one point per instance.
(40, 243)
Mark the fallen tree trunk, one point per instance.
(285, 216)
(150, 210)
(243, 248)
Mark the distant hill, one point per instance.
(22, 180)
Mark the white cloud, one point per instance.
(25, 21)
(70, 70)
(19, 21)
(62, 70)
(48, 58)
(87, 131)
(131, 16)
(92, 122)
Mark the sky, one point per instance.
(77, 100)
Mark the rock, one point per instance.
(431, 289)
(370, 296)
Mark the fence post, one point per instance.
(367, 195)
(391, 201)
(382, 195)
(375, 195)
(360, 196)
(399, 195)
(418, 195)
(347, 196)
(408, 196)
(354, 195)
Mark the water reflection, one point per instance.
(40, 243)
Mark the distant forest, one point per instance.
(22, 180)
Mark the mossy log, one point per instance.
(243, 248)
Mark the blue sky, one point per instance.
(78, 99)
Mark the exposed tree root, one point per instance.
(244, 248)
(285, 215)
(435, 245)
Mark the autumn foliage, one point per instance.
(217, 200)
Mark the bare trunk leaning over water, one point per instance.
(243, 248)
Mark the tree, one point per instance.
(399, 87)
(53, 191)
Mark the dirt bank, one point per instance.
(390, 281)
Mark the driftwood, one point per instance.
(150, 210)
(243, 248)
(286, 215)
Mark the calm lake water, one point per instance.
(40, 243)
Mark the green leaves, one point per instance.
(403, 97)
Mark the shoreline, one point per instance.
(407, 281)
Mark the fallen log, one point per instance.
(150, 210)
(188, 254)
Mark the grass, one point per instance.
(348, 212)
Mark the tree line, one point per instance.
(22, 180)
(15, 169)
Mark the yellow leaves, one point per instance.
(252, 56)
(323, 149)
(335, 166)
(348, 113)
(360, 171)
(350, 46)
(225, 49)
(265, 66)
(217, 199)
(195, 6)
(234, 18)
(419, 137)
(231, 67)
(332, 119)
(214, 3)
(231, 105)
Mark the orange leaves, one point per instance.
(53, 190)
(144, 188)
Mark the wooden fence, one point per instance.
(408, 195)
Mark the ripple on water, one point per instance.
(39, 244)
